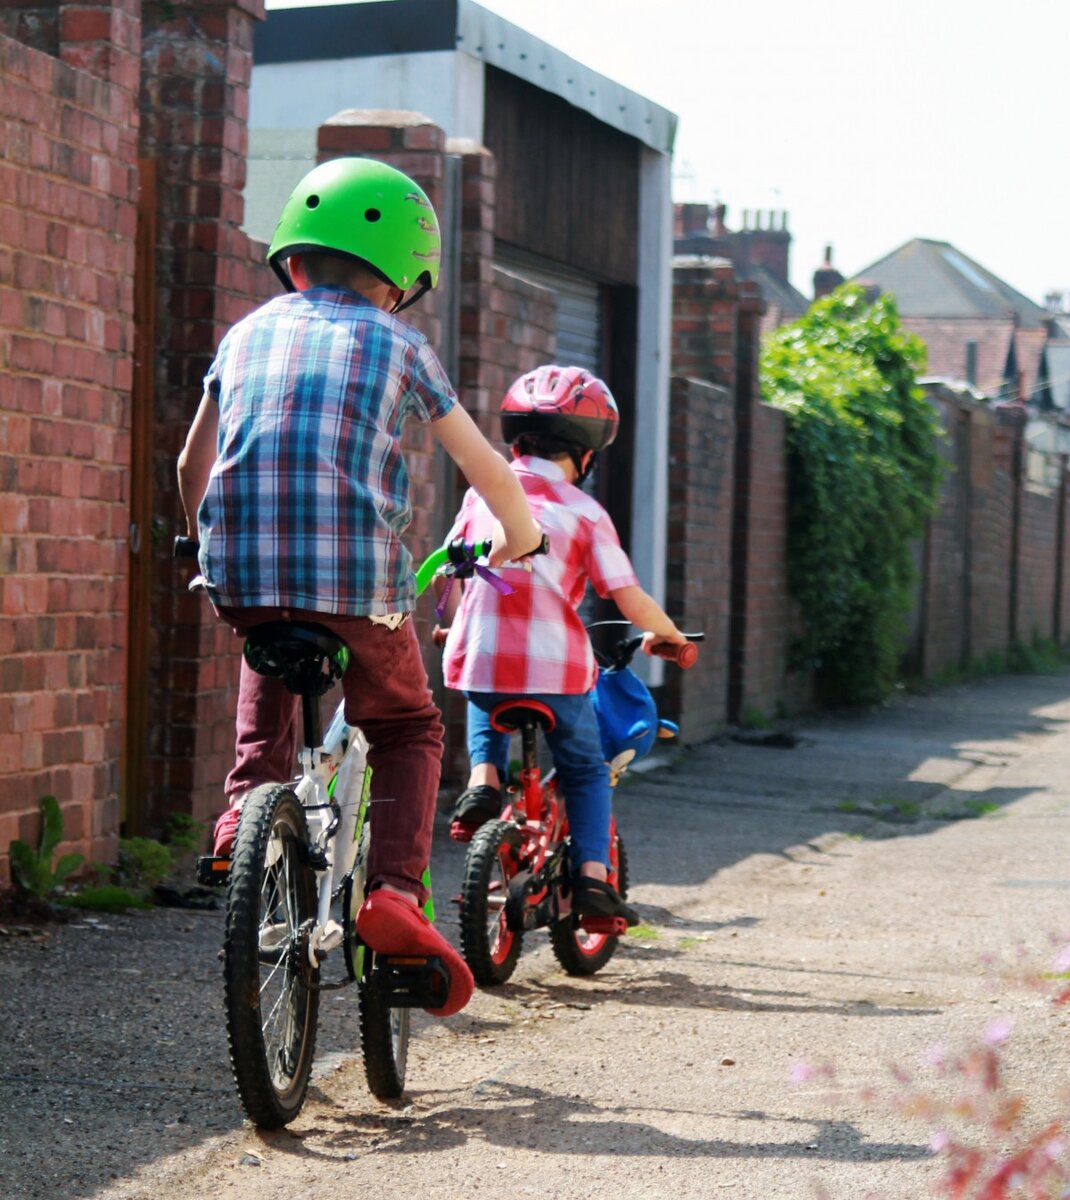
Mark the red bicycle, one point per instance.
(516, 871)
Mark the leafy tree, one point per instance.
(864, 469)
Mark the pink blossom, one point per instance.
(998, 1031)
(935, 1056)
(801, 1072)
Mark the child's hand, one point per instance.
(652, 640)
(502, 551)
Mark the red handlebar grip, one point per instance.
(684, 656)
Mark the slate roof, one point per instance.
(934, 279)
(949, 301)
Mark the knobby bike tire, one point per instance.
(384, 1038)
(489, 948)
(271, 1008)
(582, 953)
(384, 1031)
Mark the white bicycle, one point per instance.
(295, 883)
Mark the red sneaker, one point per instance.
(391, 925)
(225, 829)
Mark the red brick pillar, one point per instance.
(479, 384)
(104, 38)
(698, 555)
(705, 302)
(197, 60)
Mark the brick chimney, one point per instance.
(826, 277)
(766, 242)
(690, 219)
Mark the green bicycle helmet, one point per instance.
(366, 210)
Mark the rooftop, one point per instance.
(400, 27)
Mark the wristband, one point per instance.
(542, 548)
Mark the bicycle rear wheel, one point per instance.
(489, 946)
(583, 953)
(269, 984)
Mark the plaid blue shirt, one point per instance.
(309, 493)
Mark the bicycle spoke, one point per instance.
(280, 985)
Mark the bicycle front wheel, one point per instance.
(384, 1031)
(384, 1036)
(490, 947)
(269, 984)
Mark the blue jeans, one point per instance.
(576, 748)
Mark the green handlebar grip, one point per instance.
(425, 572)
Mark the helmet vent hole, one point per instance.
(372, 214)
(313, 201)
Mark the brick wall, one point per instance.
(991, 514)
(763, 684)
(698, 549)
(1038, 552)
(990, 568)
(67, 215)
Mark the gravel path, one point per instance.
(836, 901)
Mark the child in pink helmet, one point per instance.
(531, 641)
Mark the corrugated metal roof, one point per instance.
(352, 31)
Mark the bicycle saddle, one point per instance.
(308, 658)
(511, 715)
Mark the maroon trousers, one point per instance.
(386, 695)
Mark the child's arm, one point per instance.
(196, 460)
(643, 610)
(489, 474)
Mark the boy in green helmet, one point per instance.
(293, 482)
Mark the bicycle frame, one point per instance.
(334, 826)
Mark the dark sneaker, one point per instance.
(594, 898)
(475, 807)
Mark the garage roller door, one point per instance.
(579, 306)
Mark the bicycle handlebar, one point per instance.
(684, 656)
(456, 553)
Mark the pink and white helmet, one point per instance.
(562, 402)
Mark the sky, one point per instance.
(869, 123)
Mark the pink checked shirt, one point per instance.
(533, 641)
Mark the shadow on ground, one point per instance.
(112, 1028)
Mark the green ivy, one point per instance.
(864, 470)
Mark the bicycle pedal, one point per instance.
(613, 926)
(462, 831)
(407, 982)
(213, 871)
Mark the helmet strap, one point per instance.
(582, 470)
